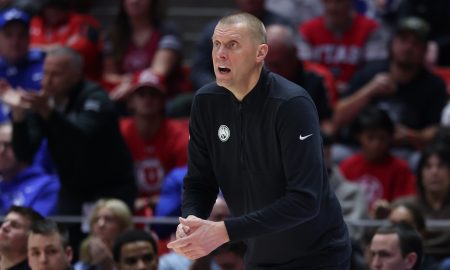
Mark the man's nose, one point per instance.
(376, 262)
(43, 257)
(5, 226)
(140, 265)
(221, 52)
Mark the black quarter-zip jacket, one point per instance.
(265, 154)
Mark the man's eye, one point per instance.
(34, 253)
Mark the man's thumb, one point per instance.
(192, 223)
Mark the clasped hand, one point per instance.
(197, 237)
(19, 99)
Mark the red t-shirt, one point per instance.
(81, 33)
(340, 53)
(387, 180)
(155, 157)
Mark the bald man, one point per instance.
(256, 136)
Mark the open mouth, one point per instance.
(224, 70)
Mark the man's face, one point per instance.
(54, 15)
(146, 101)
(59, 75)
(14, 40)
(14, 233)
(375, 143)
(229, 261)
(46, 252)
(235, 56)
(138, 255)
(337, 12)
(408, 50)
(386, 253)
(281, 58)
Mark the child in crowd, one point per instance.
(382, 176)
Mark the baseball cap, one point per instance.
(13, 14)
(414, 25)
(149, 79)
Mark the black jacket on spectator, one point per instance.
(85, 144)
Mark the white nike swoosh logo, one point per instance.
(304, 137)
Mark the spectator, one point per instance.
(396, 247)
(141, 40)
(230, 256)
(48, 247)
(24, 184)
(297, 11)
(386, 13)
(135, 250)
(402, 86)
(108, 219)
(403, 210)
(342, 40)
(382, 176)
(350, 195)
(437, 14)
(82, 131)
(19, 66)
(80, 124)
(58, 24)
(202, 65)
(13, 237)
(169, 202)
(282, 59)
(406, 211)
(157, 144)
(433, 198)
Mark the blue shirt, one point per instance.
(30, 188)
(26, 74)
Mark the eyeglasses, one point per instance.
(146, 258)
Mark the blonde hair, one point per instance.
(120, 211)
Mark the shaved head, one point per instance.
(253, 24)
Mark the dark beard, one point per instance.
(406, 65)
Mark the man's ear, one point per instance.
(69, 254)
(263, 49)
(410, 260)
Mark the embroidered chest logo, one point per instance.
(223, 133)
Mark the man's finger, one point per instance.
(179, 243)
(191, 222)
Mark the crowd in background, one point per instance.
(94, 122)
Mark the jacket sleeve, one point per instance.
(26, 138)
(302, 157)
(200, 186)
(94, 115)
